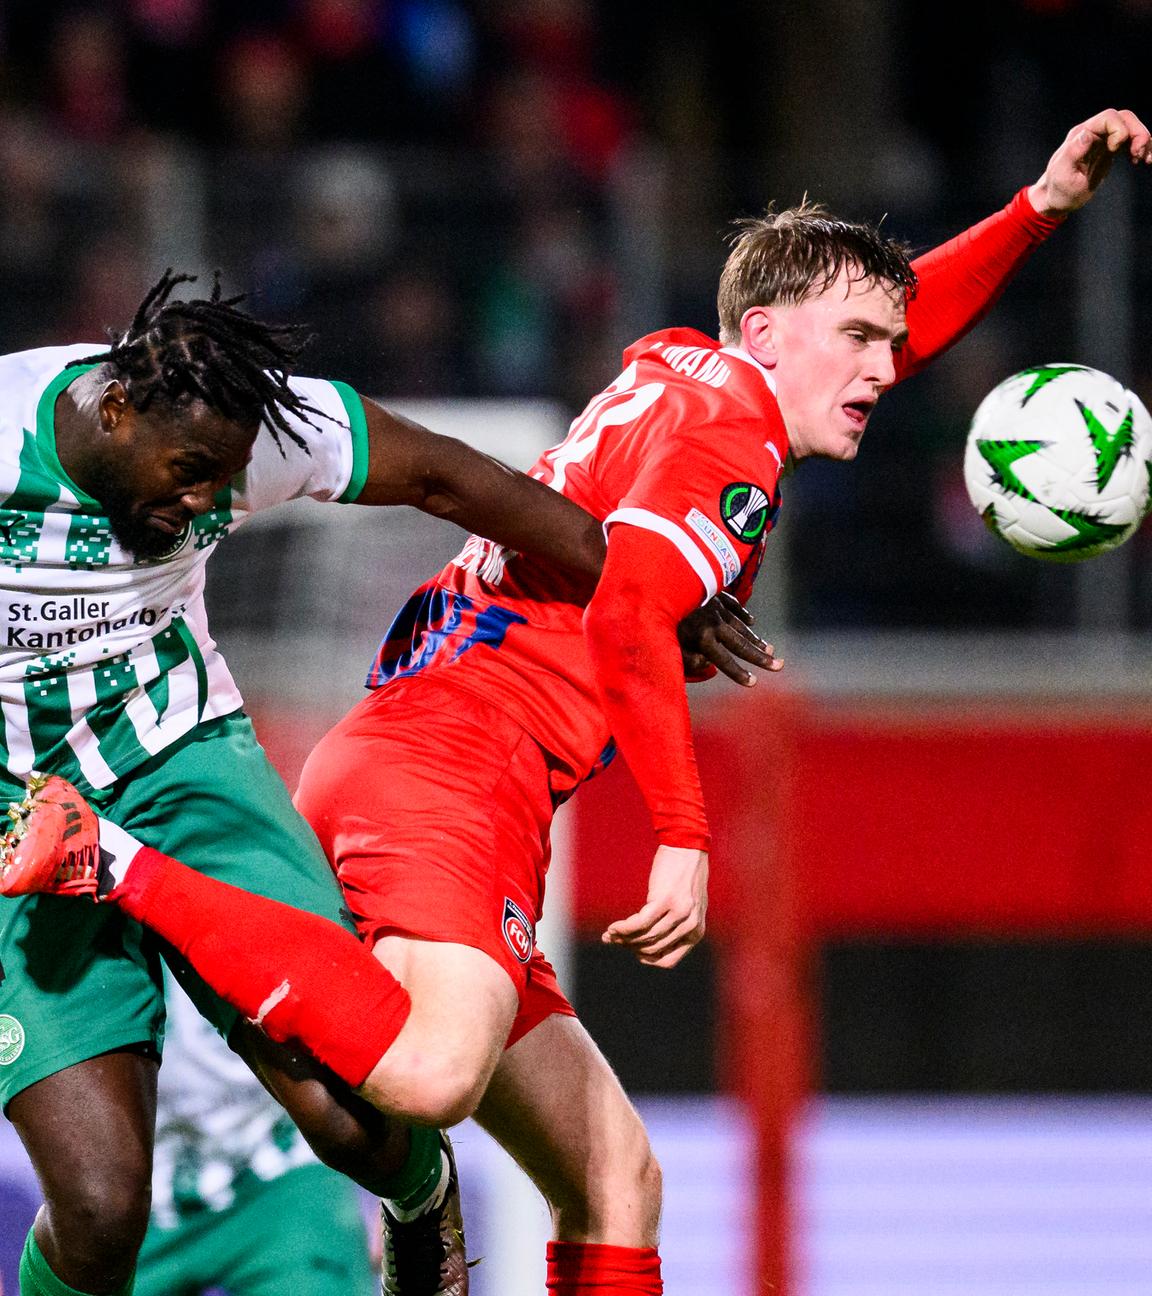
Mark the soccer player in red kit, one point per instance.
(505, 682)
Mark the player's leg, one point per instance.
(88, 1133)
(463, 1006)
(557, 1107)
(346, 1132)
(434, 809)
(218, 804)
(302, 1233)
(81, 1016)
(216, 800)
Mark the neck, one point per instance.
(76, 419)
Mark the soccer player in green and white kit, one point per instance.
(120, 471)
(239, 1200)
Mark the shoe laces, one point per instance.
(415, 1250)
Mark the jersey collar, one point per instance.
(751, 360)
(46, 429)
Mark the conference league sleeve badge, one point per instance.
(744, 510)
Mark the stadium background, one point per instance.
(931, 905)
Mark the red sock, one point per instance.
(299, 977)
(596, 1269)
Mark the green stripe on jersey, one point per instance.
(38, 489)
(214, 525)
(194, 655)
(358, 426)
(106, 734)
(46, 433)
(22, 513)
(49, 709)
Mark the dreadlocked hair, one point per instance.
(177, 352)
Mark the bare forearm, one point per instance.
(408, 464)
(486, 497)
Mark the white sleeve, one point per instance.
(332, 462)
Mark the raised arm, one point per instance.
(960, 280)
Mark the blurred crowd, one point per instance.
(426, 182)
(492, 197)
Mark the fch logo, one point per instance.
(517, 931)
(11, 1039)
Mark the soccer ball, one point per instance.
(1059, 462)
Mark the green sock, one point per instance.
(417, 1179)
(37, 1279)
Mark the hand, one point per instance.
(715, 635)
(1075, 170)
(672, 920)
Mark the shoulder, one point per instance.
(41, 364)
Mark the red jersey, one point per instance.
(688, 443)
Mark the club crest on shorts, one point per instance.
(11, 1039)
(518, 931)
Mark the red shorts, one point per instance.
(434, 809)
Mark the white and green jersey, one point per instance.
(106, 660)
(216, 1125)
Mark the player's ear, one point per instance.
(113, 402)
(758, 334)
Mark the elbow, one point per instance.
(606, 622)
(438, 501)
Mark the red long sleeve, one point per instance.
(630, 629)
(961, 279)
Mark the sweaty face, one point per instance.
(834, 360)
(160, 471)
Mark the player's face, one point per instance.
(834, 359)
(158, 472)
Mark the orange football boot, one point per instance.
(52, 843)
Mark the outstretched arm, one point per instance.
(1075, 170)
(963, 278)
(408, 464)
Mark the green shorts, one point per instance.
(302, 1233)
(79, 979)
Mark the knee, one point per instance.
(427, 1090)
(617, 1192)
(631, 1172)
(349, 1135)
(649, 1179)
(101, 1218)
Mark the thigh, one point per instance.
(88, 1129)
(216, 803)
(555, 1105)
(434, 809)
(463, 1005)
(76, 980)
